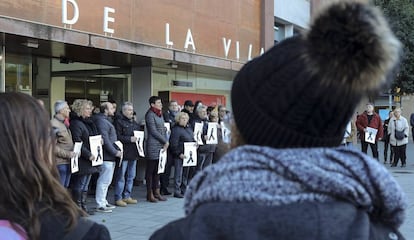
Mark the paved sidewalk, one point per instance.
(405, 177)
(140, 221)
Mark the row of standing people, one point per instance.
(82, 125)
(394, 132)
(182, 130)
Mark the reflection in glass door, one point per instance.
(18, 73)
(95, 89)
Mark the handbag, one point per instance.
(399, 135)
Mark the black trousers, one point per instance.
(152, 177)
(400, 154)
(386, 144)
(374, 148)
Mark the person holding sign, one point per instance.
(180, 133)
(287, 177)
(367, 124)
(82, 127)
(64, 144)
(124, 176)
(110, 154)
(169, 118)
(156, 140)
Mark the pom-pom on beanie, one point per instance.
(304, 90)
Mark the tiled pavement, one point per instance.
(140, 221)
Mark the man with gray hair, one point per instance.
(110, 154)
(124, 176)
(64, 144)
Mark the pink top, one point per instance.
(8, 232)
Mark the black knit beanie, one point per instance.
(303, 91)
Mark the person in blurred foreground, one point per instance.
(33, 204)
(288, 178)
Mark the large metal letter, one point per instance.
(167, 35)
(75, 18)
(189, 41)
(107, 19)
(226, 45)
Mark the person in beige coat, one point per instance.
(64, 144)
(399, 145)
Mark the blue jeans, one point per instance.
(64, 173)
(123, 188)
(81, 183)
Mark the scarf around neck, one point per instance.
(156, 111)
(276, 177)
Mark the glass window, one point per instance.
(18, 73)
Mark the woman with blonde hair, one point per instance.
(398, 131)
(33, 204)
(82, 127)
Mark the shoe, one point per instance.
(110, 206)
(120, 203)
(150, 197)
(104, 210)
(178, 195)
(130, 200)
(165, 191)
(403, 165)
(158, 196)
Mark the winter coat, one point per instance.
(246, 221)
(52, 227)
(81, 130)
(180, 135)
(125, 130)
(64, 142)
(257, 192)
(109, 137)
(400, 124)
(362, 123)
(156, 134)
(169, 117)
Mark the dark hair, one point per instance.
(28, 174)
(153, 99)
(198, 102)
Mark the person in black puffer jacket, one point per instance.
(180, 133)
(82, 127)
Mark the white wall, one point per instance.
(296, 12)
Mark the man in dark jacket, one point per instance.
(169, 118)
(125, 127)
(110, 153)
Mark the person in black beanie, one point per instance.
(287, 177)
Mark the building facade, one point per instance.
(129, 50)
